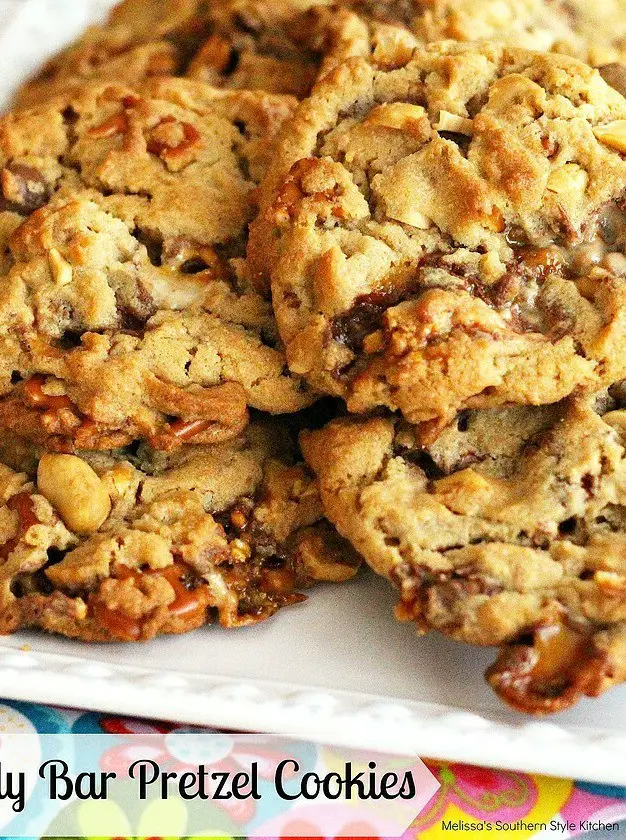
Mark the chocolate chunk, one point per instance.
(24, 189)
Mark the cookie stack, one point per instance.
(248, 339)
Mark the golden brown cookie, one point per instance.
(126, 545)
(126, 311)
(585, 29)
(283, 46)
(534, 24)
(258, 44)
(140, 39)
(601, 29)
(447, 232)
(509, 529)
(254, 44)
(280, 45)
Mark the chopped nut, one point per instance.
(495, 220)
(238, 519)
(613, 134)
(60, 268)
(401, 116)
(215, 53)
(393, 51)
(278, 582)
(568, 178)
(325, 560)
(615, 263)
(617, 421)
(610, 581)
(464, 491)
(171, 138)
(412, 217)
(120, 480)
(491, 267)
(240, 550)
(75, 490)
(117, 124)
(374, 343)
(454, 123)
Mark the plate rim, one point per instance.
(335, 717)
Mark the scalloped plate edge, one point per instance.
(333, 717)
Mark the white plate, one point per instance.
(338, 668)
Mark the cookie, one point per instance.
(448, 232)
(140, 39)
(254, 44)
(533, 24)
(284, 46)
(126, 311)
(582, 28)
(260, 45)
(602, 30)
(130, 544)
(508, 529)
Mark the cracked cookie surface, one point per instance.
(581, 28)
(447, 233)
(508, 528)
(126, 311)
(130, 544)
(279, 45)
(139, 40)
(252, 44)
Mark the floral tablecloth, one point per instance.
(475, 798)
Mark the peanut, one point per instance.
(610, 582)
(60, 268)
(240, 551)
(569, 178)
(617, 421)
(321, 562)
(401, 116)
(411, 216)
(612, 134)
(615, 263)
(75, 490)
(454, 123)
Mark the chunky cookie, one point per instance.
(601, 29)
(508, 529)
(125, 309)
(582, 28)
(271, 45)
(125, 545)
(448, 232)
(534, 24)
(140, 39)
(283, 46)
(279, 45)
(261, 44)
